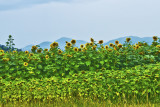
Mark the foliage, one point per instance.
(10, 48)
(116, 73)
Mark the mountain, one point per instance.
(62, 42)
(28, 47)
(134, 39)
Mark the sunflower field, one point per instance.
(116, 73)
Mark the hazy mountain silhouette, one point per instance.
(134, 39)
(62, 42)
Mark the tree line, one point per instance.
(9, 46)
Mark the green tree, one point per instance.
(10, 43)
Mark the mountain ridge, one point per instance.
(62, 42)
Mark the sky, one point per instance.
(36, 21)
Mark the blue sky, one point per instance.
(36, 21)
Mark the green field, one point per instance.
(114, 75)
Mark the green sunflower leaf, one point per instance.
(39, 66)
(88, 63)
(102, 62)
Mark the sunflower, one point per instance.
(69, 44)
(75, 49)
(111, 44)
(106, 47)
(31, 54)
(45, 49)
(116, 42)
(66, 48)
(91, 44)
(2, 51)
(141, 53)
(34, 47)
(94, 47)
(54, 44)
(26, 52)
(69, 56)
(115, 48)
(25, 64)
(79, 49)
(120, 45)
(102, 47)
(155, 38)
(101, 41)
(145, 44)
(73, 41)
(14, 51)
(46, 56)
(39, 50)
(5, 59)
(158, 46)
(110, 50)
(59, 51)
(128, 39)
(81, 46)
(52, 54)
(87, 44)
(2, 54)
(92, 40)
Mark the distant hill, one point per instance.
(62, 42)
(134, 39)
(5, 48)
